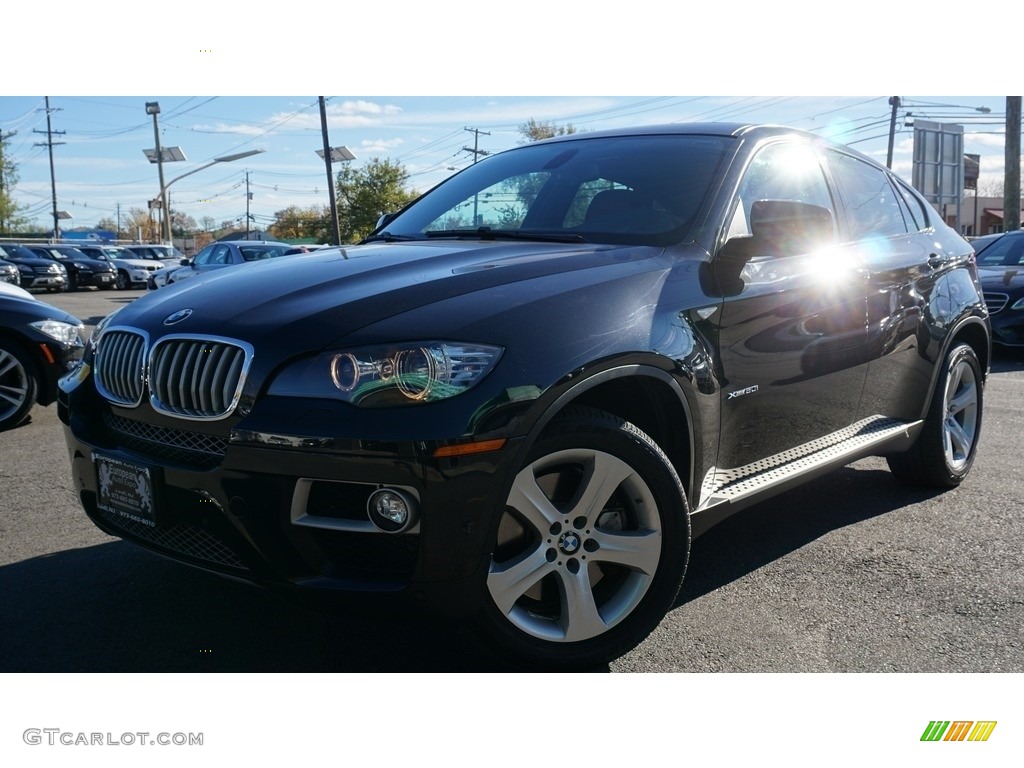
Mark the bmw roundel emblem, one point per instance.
(177, 317)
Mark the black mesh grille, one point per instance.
(192, 449)
(188, 540)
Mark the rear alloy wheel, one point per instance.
(592, 547)
(17, 385)
(123, 281)
(945, 449)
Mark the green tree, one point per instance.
(108, 224)
(10, 217)
(366, 192)
(139, 224)
(294, 223)
(182, 224)
(535, 130)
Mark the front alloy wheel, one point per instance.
(17, 385)
(592, 547)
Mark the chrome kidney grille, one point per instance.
(192, 377)
(120, 374)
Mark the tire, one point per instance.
(944, 451)
(123, 281)
(592, 547)
(72, 281)
(18, 386)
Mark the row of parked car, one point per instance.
(59, 267)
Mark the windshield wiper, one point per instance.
(387, 237)
(487, 233)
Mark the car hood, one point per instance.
(1001, 279)
(35, 262)
(6, 289)
(343, 290)
(140, 263)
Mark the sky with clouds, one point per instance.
(100, 166)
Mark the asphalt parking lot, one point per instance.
(851, 573)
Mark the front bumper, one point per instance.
(97, 279)
(292, 514)
(50, 281)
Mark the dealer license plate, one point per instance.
(126, 489)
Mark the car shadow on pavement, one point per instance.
(778, 526)
(117, 608)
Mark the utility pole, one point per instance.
(1011, 185)
(248, 197)
(49, 143)
(4, 224)
(894, 102)
(476, 151)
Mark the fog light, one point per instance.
(391, 510)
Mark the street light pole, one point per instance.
(224, 159)
(153, 108)
(330, 175)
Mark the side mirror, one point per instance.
(185, 262)
(789, 228)
(780, 228)
(384, 219)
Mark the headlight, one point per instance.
(1018, 304)
(65, 333)
(380, 377)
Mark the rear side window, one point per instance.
(915, 210)
(872, 209)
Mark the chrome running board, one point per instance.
(727, 491)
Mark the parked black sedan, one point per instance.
(38, 344)
(36, 271)
(1001, 269)
(82, 270)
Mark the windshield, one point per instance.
(644, 190)
(1005, 251)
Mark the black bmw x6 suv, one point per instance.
(525, 393)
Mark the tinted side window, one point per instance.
(870, 201)
(781, 172)
(203, 257)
